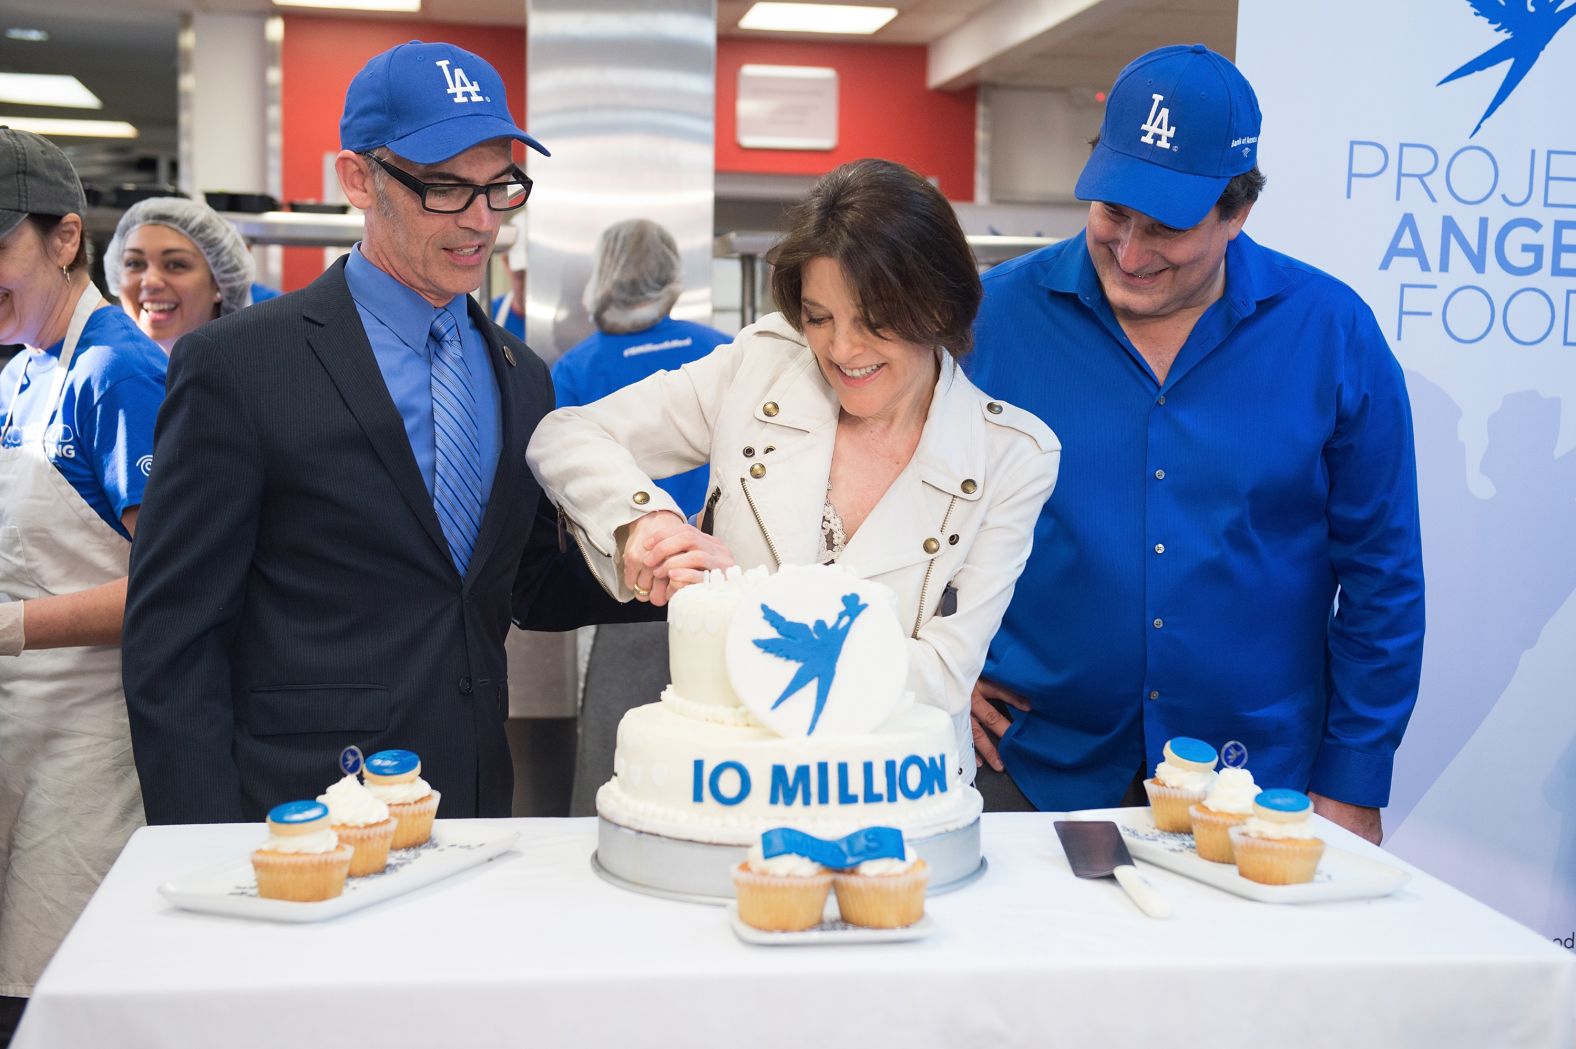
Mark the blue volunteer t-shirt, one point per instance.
(101, 438)
(606, 362)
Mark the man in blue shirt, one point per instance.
(1232, 552)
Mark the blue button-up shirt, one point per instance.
(1184, 574)
(397, 321)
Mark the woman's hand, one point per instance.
(663, 553)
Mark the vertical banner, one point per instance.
(1423, 152)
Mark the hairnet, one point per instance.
(220, 244)
(517, 249)
(636, 276)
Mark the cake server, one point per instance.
(1095, 849)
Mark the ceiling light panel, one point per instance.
(78, 128)
(402, 6)
(816, 18)
(47, 89)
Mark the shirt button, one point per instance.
(1160, 475)
(1154, 695)
(1161, 399)
(758, 471)
(465, 685)
(1159, 623)
(642, 498)
(769, 409)
(1160, 548)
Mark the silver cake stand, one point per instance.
(698, 872)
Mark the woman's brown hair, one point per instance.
(900, 248)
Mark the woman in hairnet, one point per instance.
(77, 407)
(636, 278)
(176, 265)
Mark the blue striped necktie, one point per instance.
(456, 480)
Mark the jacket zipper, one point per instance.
(574, 533)
(924, 587)
(707, 522)
(762, 524)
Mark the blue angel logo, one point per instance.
(1530, 24)
(815, 648)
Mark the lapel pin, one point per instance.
(508, 356)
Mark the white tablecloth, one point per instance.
(533, 949)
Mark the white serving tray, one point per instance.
(232, 889)
(1341, 875)
(830, 933)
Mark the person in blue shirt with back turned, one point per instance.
(636, 278)
(1232, 552)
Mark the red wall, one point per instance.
(884, 110)
(319, 57)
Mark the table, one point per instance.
(533, 949)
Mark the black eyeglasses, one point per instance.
(446, 198)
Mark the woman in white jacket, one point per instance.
(839, 429)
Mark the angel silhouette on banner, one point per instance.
(816, 649)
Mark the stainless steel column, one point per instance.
(622, 92)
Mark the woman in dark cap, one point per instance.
(77, 407)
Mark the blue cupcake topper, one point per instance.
(872, 843)
(393, 762)
(350, 760)
(295, 813)
(1282, 800)
(1234, 755)
(1189, 749)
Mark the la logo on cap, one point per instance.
(1159, 123)
(460, 85)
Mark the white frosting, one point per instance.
(318, 841)
(788, 865)
(1260, 828)
(352, 805)
(1183, 779)
(398, 793)
(887, 867)
(1233, 791)
(720, 713)
(698, 618)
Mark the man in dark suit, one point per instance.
(342, 521)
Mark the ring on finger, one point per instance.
(641, 592)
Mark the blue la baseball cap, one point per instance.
(427, 103)
(1179, 123)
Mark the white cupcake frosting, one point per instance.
(352, 805)
(319, 841)
(1261, 828)
(398, 793)
(1233, 791)
(788, 865)
(1184, 779)
(877, 868)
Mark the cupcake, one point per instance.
(883, 894)
(394, 778)
(1227, 803)
(302, 859)
(786, 893)
(1276, 845)
(362, 821)
(1180, 780)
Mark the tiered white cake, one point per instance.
(788, 707)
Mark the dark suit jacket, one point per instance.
(291, 589)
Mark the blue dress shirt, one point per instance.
(607, 361)
(1185, 571)
(396, 320)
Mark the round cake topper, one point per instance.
(393, 763)
(1193, 751)
(1233, 755)
(294, 813)
(817, 651)
(1282, 800)
(350, 760)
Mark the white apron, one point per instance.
(69, 796)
